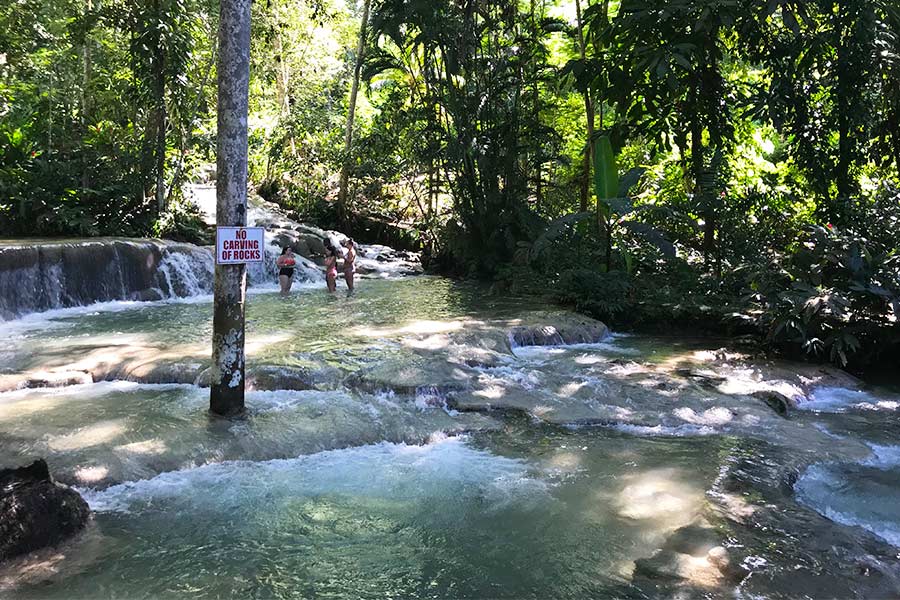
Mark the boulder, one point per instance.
(559, 331)
(35, 511)
(777, 401)
(296, 378)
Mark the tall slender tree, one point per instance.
(343, 209)
(588, 111)
(227, 388)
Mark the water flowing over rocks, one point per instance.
(563, 329)
(35, 511)
(681, 444)
(42, 276)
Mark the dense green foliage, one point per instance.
(731, 165)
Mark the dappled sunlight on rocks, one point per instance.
(148, 447)
(92, 435)
(14, 406)
(256, 344)
(713, 416)
(90, 475)
(432, 342)
(492, 393)
(661, 496)
(570, 389)
(423, 327)
(565, 460)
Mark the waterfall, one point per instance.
(51, 275)
(46, 275)
(185, 271)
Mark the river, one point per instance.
(363, 487)
(403, 443)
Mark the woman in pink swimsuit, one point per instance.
(330, 267)
(349, 263)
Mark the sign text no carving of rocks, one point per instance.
(237, 245)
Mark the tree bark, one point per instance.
(343, 212)
(227, 386)
(589, 112)
(160, 120)
(86, 100)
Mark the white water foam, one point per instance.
(93, 390)
(387, 471)
(859, 502)
(856, 494)
(839, 400)
(187, 274)
(608, 346)
(883, 457)
(746, 380)
(687, 430)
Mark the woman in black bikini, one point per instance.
(286, 264)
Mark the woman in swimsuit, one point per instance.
(349, 263)
(286, 264)
(330, 267)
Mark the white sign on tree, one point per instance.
(238, 245)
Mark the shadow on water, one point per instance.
(366, 491)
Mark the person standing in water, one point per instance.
(286, 263)
(349, 263)
(330, 267)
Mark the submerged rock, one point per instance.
(776, 401)
(559, 330)
(35, 511)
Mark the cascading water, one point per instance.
(186, 272)
(41, 276)
(53, 275)
(401, 443)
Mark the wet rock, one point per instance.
(44, 379)
(551, 335)
(35, 511)
(289, 378)
(777, 401)
(691, 557)
(158, 372)
(708, 380)
(149, 295)
(557, 330)
(405, 376)
(307, 245)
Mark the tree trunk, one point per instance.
(86, 101)
(283, 82)
(343, 212)
(697, 165)
(160, 155)
(589, 112)
(227, 386)
(842, 178)
(536, 107)
(160, 120)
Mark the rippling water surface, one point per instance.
(346, 492)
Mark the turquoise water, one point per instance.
(346, 492)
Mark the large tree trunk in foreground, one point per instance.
(343, 212)
(227, 387)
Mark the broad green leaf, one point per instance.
(606, 176)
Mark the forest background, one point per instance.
(724, 166)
